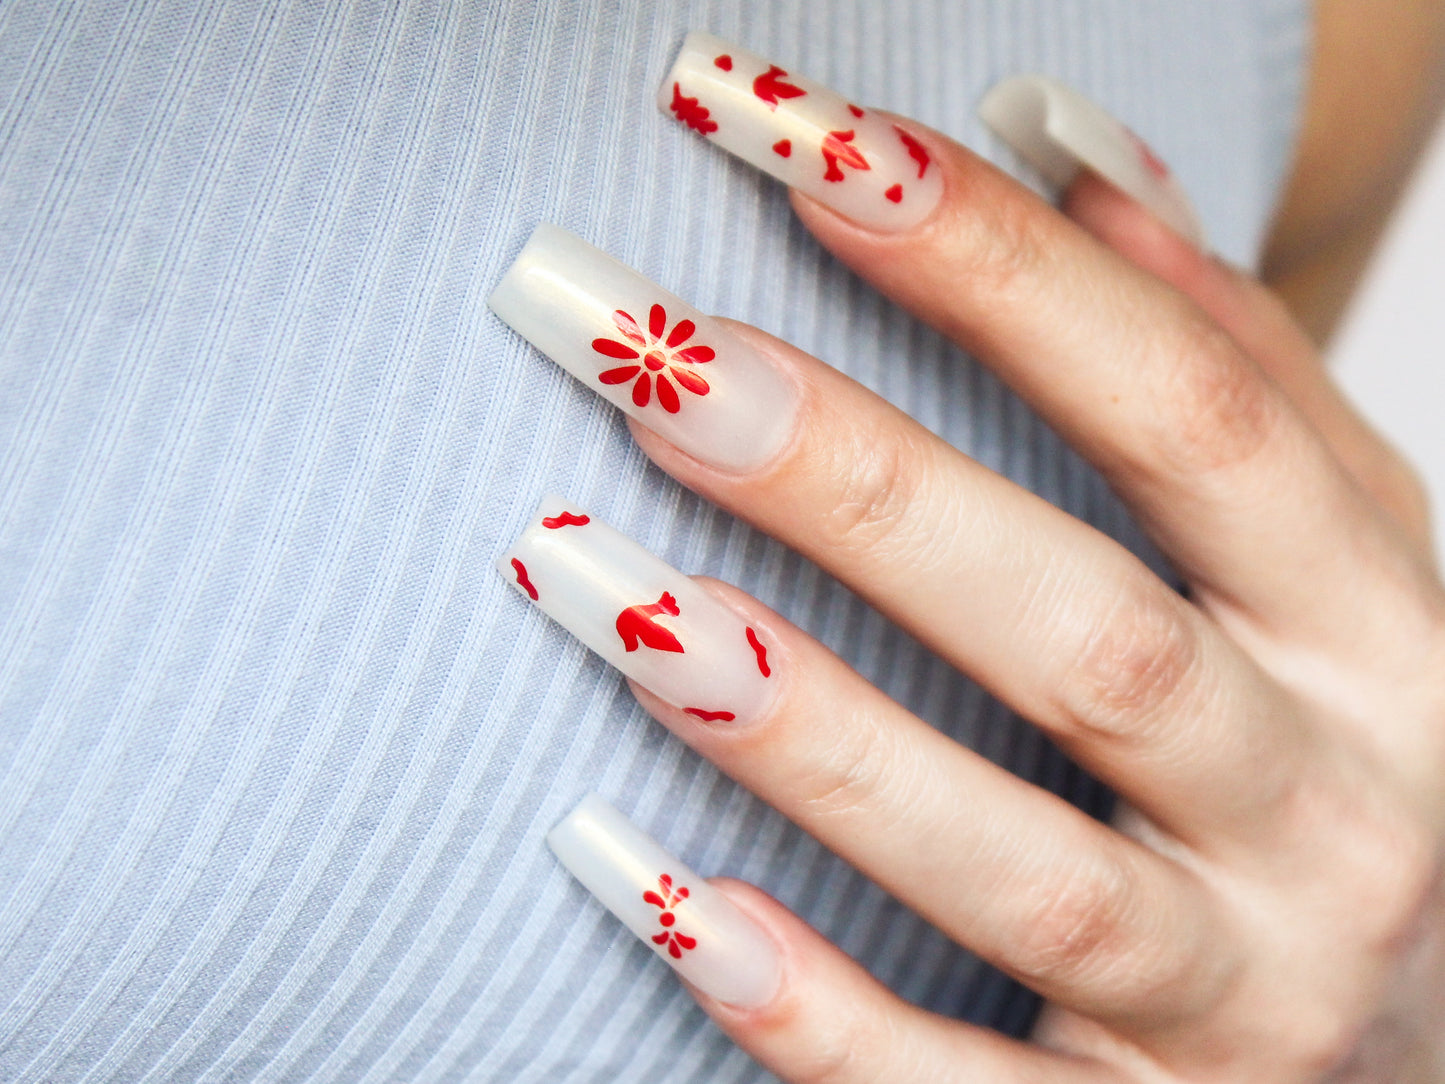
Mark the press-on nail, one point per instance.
(855, 160)
(1059, 131)
(640, 614)
(644, 350)
(690, 924)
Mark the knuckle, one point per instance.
(1139, 660)
(1082, 928)
(845, 779)
(1215, 410)
(1008, 248)
(877, 477)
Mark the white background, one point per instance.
(1389, 353)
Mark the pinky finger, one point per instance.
(830, 1022)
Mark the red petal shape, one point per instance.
(895, 193)
(696, 355)
(686, 941)
(621, 375)
(682, 893)
(661, 938)
(642, 390)
(628, 326)
(653, 898)
(657, 321)
(674, 950)
(783, 147)
(667, 395)
(665, 879)
(689, 380)
(613, 349)
(684, 330)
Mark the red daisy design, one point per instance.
(659, 357)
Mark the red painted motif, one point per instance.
(638, 625)
(895, 193)
(724, 62)
(522, 581)
(761, 652)
(783, 147)
(838, 147)
(566, 519)
(916, 151)
(691, 112)
(666, 899)
(663, 358)
(855, 110)
(770, 87)
(1152, 162)
(711, 716)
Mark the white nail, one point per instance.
(856, 161)
(690, 924)
(641, 615)
(669, 366)
(1059, 131)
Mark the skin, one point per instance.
(1268, 905)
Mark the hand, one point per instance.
(1268, 905)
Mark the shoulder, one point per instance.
(1374, 91)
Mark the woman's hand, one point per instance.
(1268, 906)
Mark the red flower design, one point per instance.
(665, 357)
(667, 899)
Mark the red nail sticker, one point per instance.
(522, 580)
(690, 112)
(838, 147)
(638, 624)
(1152, 162)
(667, 355)
(783, 147)
(895, 193)
(711, 716)
(761, 652)
(666, 898)
(724, 62)
(566, 519)
(770, 87)
(854, 110)
(916, 151)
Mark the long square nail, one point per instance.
(855, 160)
(645, 350)
(1058, 131)
(690, 924)
(640, 614)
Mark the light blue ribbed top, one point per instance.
(277, 747)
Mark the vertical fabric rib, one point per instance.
(277, 749)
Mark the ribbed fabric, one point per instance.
(277, 747)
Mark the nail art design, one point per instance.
(641, 615)
(1058, 131)
(694, 927)
(646, 351)
(809, 137)
(670, 357)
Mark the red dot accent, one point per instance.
(783, 147)
(895, 193)
(724, 62)
(667, 918)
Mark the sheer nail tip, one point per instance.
(685, 920)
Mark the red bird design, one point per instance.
(770, 87)
(638, 624)
(838, 147)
